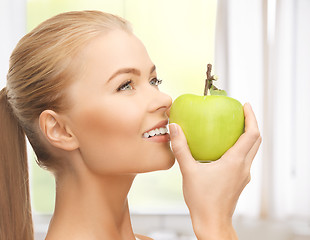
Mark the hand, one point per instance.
(211, 190)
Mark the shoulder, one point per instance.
(141, 237)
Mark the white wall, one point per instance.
(12, 28)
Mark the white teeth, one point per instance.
(157, 132)
(163, 130)
(146, 135)
(152, 133)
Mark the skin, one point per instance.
(100, 145)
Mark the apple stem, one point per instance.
(209, 80)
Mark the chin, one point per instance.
(162, 162)
(168, 164)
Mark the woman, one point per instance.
(83, 89)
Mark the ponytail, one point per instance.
(41, 68)
(15, 209)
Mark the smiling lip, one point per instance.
(159, 125)
(161, 138)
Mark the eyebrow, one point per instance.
(129, 70)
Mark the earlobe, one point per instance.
(54, 129)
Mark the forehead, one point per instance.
(115, 50)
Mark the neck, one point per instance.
(93, 207)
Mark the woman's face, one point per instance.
(116, 101)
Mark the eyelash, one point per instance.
(124, 85)
(157, 81)
(154, 82)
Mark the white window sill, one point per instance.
(177, 226)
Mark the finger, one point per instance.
(252, 153)
(179, 146)
(251, 134)
(249, 117)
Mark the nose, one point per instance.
(160, 102)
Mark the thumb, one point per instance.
(179, 146)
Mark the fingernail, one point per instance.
(173, 130)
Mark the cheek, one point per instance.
(110, 119)
(110, 139)
(109, 136)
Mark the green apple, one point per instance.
(211, 123)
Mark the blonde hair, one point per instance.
(41, 68)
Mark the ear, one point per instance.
(56, 132)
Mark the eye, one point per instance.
(125, 86)
(155, 81)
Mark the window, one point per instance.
(279, 190)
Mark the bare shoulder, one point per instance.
(141, 237)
